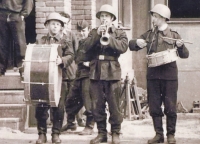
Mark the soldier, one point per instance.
(12, 14)
(79, 92)
(54, 23)
(162, 81)
(105, 72)
(70, 75)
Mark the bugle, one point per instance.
(105, 36)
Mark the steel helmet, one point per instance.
(106, 8)
(54, 16)
(162, 10)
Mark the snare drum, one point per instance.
(42, 77)
(161, 58)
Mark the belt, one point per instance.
(104, 57)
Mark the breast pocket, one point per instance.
(169, 44)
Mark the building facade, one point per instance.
(134, 16)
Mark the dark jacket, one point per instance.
(24, 7)
(72, 68)
(109, 67)
(65, 51)
(167, 71)
(82, 56)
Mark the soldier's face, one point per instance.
(84, 32)
(54, 27)
(106, 18)
(158, 20)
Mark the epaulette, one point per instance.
(174, 31)
(150, 30)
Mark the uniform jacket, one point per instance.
(72, 68)
(106, 69)
(24, 7)
(65, 51)
(82, 56)
(168, 71)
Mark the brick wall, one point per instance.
(44, 7)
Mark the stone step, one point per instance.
(11, 97)
(13, 111)
(11, 82)
(13, 123)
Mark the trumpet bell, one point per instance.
(104, 40)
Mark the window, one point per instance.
(184, 9)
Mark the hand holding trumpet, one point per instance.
(102, 28)
(103, 31)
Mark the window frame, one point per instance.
(182, 20)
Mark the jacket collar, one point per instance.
(56, 37)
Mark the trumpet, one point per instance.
(105, 36)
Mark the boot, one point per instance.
(42, 130)
(69, 126)
(115, 138)
(115, 129)
(55, 139)
(102, 133)
(171, 126)
(70, 123)
(41, 139)
(171, 139)
(158, 138)
(2, 71)
(88, 130)
(101, 138)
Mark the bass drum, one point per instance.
(42, 77)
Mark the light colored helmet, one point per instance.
(106, 8)
(162, 10)
(54, 16)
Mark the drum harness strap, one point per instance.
(155, 31)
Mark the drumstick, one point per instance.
(176, 39)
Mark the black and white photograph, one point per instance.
(99, 72)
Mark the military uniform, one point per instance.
(12, 26)
(57, 112)
(105, 76)
(79, 93)
(162, 81)
(69, 74)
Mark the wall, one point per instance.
(189, 69)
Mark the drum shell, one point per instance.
(161, 58)
(42, 77)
